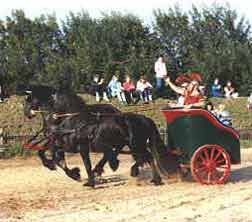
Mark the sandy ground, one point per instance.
(29, 192)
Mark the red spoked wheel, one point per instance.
(210, 165)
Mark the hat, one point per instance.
(187, 78)
(184, 78)
(196, 76)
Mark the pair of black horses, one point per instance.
(71, 125)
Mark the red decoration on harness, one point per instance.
(35, 147)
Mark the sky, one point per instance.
(142, 8)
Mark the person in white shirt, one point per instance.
(249, 102)
(230, 91)
(144, 89)
(161, 74)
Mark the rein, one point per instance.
(56, 116)
(98, 114)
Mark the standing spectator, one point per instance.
(144, 88)
(161, 73)
(216, 89)
(249, 103)
(230, 91)
(129, 89)
(1, 94)
(99, 88)
(116, 90)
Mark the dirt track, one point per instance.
(30, 192)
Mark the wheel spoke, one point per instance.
(203, 174)
(212, 153)
(220, 161)
(209, 175)
(206, 154)
(200, 169)
(218, 155)
(202, 158)
(223, 167)
(215, 175)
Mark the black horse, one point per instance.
(109, 132)
(40, 98)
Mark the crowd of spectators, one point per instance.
(190, 90)
(131, 91)
(127, 92)
(228, 91)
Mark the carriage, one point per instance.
(208, 147)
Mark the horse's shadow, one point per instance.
(241, 175)
(237, 175)
(110, 181)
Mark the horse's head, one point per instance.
(38, 98)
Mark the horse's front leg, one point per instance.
(61, 162)
(98, 170)
(84, 152)
(49, 163)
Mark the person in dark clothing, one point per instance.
(100, 89)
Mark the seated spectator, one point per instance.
(129, 89)
(216, 89)
(230, 91)
(145, 89)
(223, 115)
(99, 88)
(249, 102)
(116, 90)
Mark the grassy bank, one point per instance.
(14, 123)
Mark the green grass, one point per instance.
(12, 118)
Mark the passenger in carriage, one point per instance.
(223, 115)
(192, 94)
(210, 108)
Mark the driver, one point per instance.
(191, 93)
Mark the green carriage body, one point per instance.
(190, 129)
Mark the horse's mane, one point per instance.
(70, 102)
(77, 100)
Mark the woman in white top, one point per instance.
(230, 91)
(144, 89)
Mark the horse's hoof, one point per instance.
(89, 184)
(134, 172)
(75, 173)
(50, 165)
(157, 181)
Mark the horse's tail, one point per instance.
(165, 160)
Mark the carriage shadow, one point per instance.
(241, 175)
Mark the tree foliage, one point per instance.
(214, 41)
